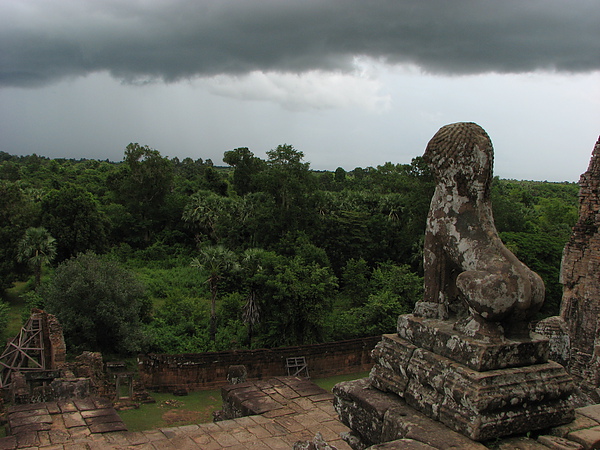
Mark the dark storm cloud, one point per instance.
(137, 41)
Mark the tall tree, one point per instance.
(216, 261)
(98, 303)
(17, 212)
(289, 175)
(72, 215)
(288, 180)
(149, 175)
(299, 295)
(37, 248)
(247, 166)
(142, 185)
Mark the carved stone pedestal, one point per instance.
(376, 417)
(482, 390)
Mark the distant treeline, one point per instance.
(258, 253)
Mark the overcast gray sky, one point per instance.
(348, 82)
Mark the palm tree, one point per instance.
(251, 313)
(37, 248)
(205, 210)
(251, 310)
(216, 260)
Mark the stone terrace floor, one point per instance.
(291, 410)
(287, 417)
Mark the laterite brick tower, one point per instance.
(580, 276)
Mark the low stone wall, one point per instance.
(197, 371)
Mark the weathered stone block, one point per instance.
(34, 418)
(558, 443)
(579, 423)
(555, 329)
(589, 437)
(521, 443)
(508, 388)
(441, 338)
(70, 388)
(391, 356)
(108, 427)
(427, 373)
(404, 444)
(362, 408)
(8, 442)
(480, 404)
(378, 417)
(237, 374)
(591, 412)
(504, 422)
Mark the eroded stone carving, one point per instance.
(465, 260)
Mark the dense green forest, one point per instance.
(153, 254)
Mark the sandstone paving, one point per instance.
(558, 443)
(588, 437)
(591, 412)
(521, 443)
(303, 417)
(581, 422)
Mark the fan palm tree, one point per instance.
(251, 311)
(37, 248)
(216, 260)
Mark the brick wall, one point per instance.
(196, 371)
(580, 307)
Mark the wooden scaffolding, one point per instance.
(25, 352)
(297, 366)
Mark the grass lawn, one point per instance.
(17, 306)
(172, 411)
(196, 407)
(328, 383)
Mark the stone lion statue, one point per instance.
(469, 272)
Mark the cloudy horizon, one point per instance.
(350, 83)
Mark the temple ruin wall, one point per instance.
(197, 371)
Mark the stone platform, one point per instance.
(481, 389)
(283, 411)
(386, 422)
(378, 417)
(275, 397)
(439, 337)
(60, 422)
(292, 417)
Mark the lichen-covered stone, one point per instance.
(464, 258)
(441, 338)
(391, 356)
(465, 357)
(317, 443)
(70, 388)
(480, 404)
(237, 374)
(362, 408)
(378, 417)
(559, 342)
